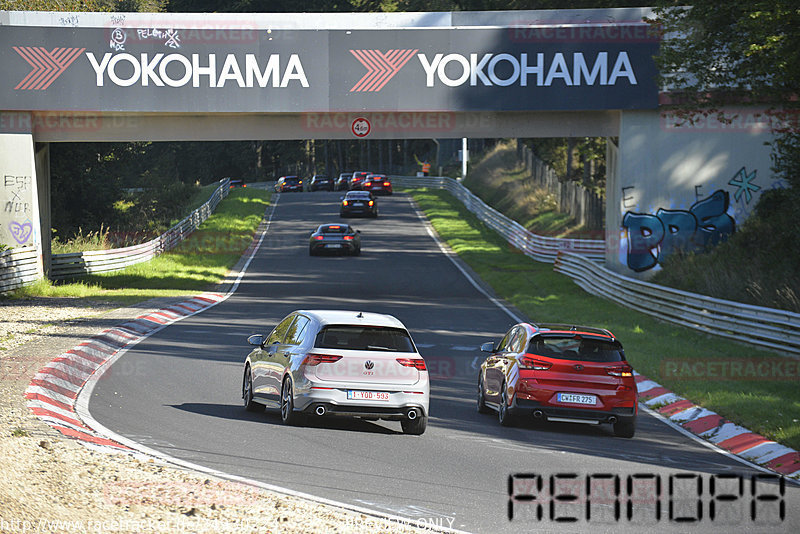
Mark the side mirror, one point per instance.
(358, 231)
(341, 198)
(256, 339)
(488, 347)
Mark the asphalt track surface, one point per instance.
(179, 392)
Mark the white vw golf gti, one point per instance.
(332, 362)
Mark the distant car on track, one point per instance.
(343, 181)
(237, 183)
(341, 238)
(357, 179)
(359, 203)
(332, 362)
(288, 183)
(377, 184)
(320, 181)
(565, 373)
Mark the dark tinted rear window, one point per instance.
(346, 337)
(571, 348)
(358, 195)
(337, 229)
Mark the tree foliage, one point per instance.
(740, 52)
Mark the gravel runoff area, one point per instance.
(49, 483)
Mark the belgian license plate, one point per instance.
(368, 395)
(333, 245)
(577, 398)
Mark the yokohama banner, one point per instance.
(263, 71)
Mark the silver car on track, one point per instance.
(323, 363)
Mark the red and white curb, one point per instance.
(718, 431)
(53, 391)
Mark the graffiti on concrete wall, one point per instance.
(17, 210)
(651, 238)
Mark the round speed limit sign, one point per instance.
(360, 127)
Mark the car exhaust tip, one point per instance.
(412, 414)
(538, 414)
(612, 419)
(320, 410)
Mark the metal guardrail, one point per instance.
(755, 325)
(100, 261)
(19, 267)
(540, 248)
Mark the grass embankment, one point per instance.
(771, 408)
(196, 265)
(503, 183)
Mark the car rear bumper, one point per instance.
(335, 402)
(357, 211)
(346, 247)
(534, 409)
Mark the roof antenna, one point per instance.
(360, 315)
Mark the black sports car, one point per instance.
(359, 203)
(341, 238)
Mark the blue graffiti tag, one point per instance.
(743, 183)
(652, 238)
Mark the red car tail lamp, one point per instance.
(313, 359)
(344, 203)
(318, 238)
(348, 238)
(620, 370)
(367, 184)
(386, 184)
(371, 202)
(417, 363)
(527, 362)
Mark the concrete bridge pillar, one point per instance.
(20, 186)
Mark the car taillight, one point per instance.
(344, 203)
(318, 238)
(313, 359)
(526, 362)
(367, 184)
(620, 370)
(348, 238)
(417, 363)
(371, 203)
(386, 184)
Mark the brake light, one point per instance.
(417, 363)
(313, 359)
(348, 238)
(386, 184)
(526, 362)
(334, 227)
(344, 203)
(367, 184)
(371, 203)
(318, 238)
(620, 370)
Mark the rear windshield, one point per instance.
(571, 348)
(335, 230)
(360, 195)
(364, 338)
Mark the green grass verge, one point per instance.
(196, 265)
(770, 408)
